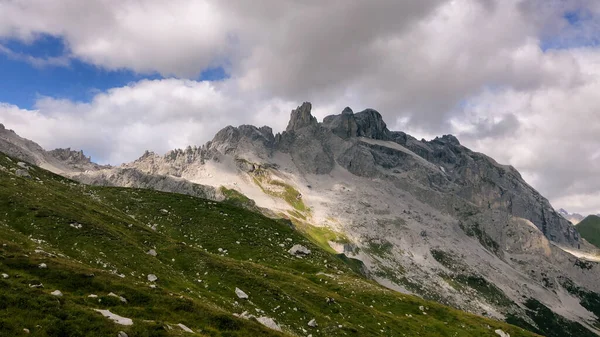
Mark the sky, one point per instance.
(518, 80)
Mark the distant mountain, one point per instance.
(431, 218)
(589, 228)
(575, 218)
(59, 161)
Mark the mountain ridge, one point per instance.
(420, 214)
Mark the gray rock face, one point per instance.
(76, 160)
(241, 140)
(130, 177)
(371, 125)
(344, 125)
(301, 118)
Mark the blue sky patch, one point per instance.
(22, 81)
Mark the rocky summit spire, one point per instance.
(301, 117)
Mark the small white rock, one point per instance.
(116, 318)
(312, 323)
(122, 334)
(185, 328)
(4, 275)
(152, 277)
(151, 252)
(269, 323)
(25, 330)
(117, 296)
(42, 266)
(57, 293)
(501, 333)
(93, 296)
(241, 294)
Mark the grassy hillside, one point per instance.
(589, 228)
(98, 240)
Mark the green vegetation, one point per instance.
(445, 259)
(589, 229)
(322, 236)
(381, 249)
(487, 290)
(484, 239)
(238, 199)
(279, 189)
(548, 323)
(96, 240)
(588, 299)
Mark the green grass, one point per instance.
(238, 199)
(322, 236)
(279, 189)
(589, 229)
(205, 250)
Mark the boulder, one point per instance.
(501, 333)
(299, 250)
(22, 173)
(269, 323)
(241, 294)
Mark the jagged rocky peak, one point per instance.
(344, 125)
(301, 117)
(447, 139)
(147, 155)
(367, 123)
(69, 155)
(2, 127)
(245, 139)
(75, 160)
(371, 125)
(232, 135)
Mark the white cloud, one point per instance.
(159, 115)
(474, 67)
(552, 136)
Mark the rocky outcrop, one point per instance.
(75, 160)
(301, 118)
(371, 125)
(130, 177)
(343, 125)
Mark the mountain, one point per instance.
(589, 228)
(57, 161)
(430, 218)
(575, 218)
(162, 264)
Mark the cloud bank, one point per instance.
(515, 79)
